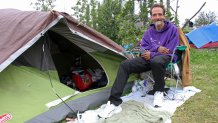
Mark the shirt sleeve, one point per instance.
(147, 43)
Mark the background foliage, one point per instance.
(118, 20)
(43, 5)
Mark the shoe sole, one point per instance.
(112, 113)
(156, 106)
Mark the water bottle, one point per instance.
(134, 87)
(145, 82)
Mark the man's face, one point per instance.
(157, 15)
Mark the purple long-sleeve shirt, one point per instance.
(167, 37)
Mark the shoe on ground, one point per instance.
(109, 110)
(152, 92)
(158, 99)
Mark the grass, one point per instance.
(203, 107)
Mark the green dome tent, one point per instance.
(37, 49)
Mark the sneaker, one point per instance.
(158, 99)
(109, 110)
(152, 92)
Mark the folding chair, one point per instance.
(132, 53)
(173, 71)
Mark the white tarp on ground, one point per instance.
(171, 102)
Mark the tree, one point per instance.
(94, 13)
(128, 31)
(116, 18)
(144, 12)
(43, 5)
(205, 18)
(87, 16)
(86, 12)
(107, 19)
(80, 10)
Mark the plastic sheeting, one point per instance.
(203, 35)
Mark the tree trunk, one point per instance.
(168, 5)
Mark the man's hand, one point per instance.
(146, 55)
(163, 50)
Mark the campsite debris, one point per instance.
(71, 118)
(5, 117)
(84, 78)
(90, 116)
(193, 16)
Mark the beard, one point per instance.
(159, 24)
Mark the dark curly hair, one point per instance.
(157, 5)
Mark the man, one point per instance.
(157, 46)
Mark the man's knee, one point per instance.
(156, 62)
(160, 60)
(124, 63)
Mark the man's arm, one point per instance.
(170, 46)
(173, 42)
(148, 44)
(146, 55)
(145, 44)
(163, 50)
(155, 49)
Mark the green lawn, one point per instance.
(203, 107)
